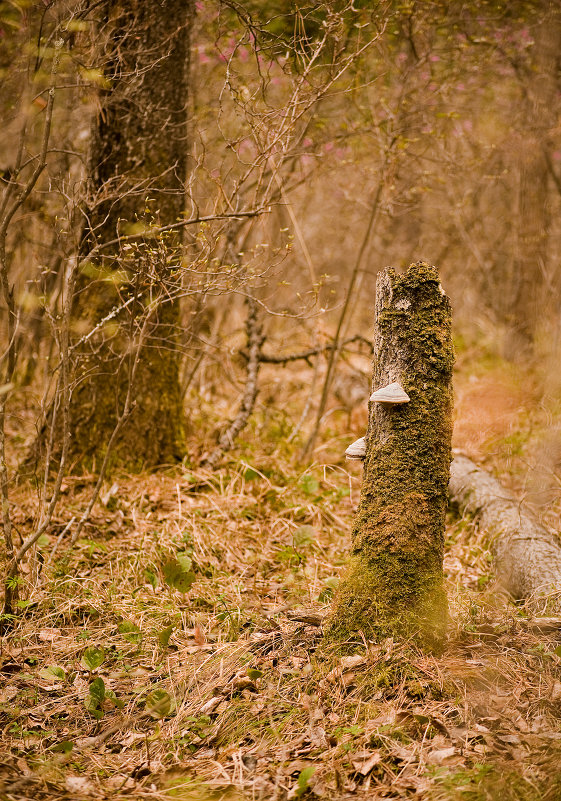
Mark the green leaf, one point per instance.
(52, 672)
(95, 698)
(151, 577)
(164, 635)
(92, 658)
(557, 651)
(303, 779)
(176, 576)
(159, 703)
(110, 695)
(254, 674)
(97, 689)
(130, 631)
(304, 535)
(64, 747)
(309, 484)
(184, 560)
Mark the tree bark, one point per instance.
(137, 181)
(527, 556)
(531, 304)
(393, 585)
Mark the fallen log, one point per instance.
(527, 555)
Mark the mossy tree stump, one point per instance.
(393, 585)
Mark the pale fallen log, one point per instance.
(527, 555)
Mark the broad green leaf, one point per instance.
(309, 484)
(52, 672)
(110, 695)
(254, 673)
(130, 631)
(164, 635)
(92, 658)
(557, 651)
(303, 779)
(159, 703)
(95, 697)
(64, 747)
(303, 536)
(151, 577)
(97, 689)
(184, 560)
(176, 576)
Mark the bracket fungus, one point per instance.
(392, 395)
(357, 450)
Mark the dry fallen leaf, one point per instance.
(350, 662)
(441, 755)
(49, 635)
(79, 785)
(210, 705)
(364, 767)
(8, 693)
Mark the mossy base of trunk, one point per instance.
(363, 608)
(153, 433)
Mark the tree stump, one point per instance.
(393, 585)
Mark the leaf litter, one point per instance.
(176, 652)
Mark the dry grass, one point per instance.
(253, 705)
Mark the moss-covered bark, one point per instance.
(393, 585)
(137, 180)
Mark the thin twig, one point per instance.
(305, 355)
(255, 341)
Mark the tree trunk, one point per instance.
(527, 556)
(393, 585)
(531, 304)
(138, 170)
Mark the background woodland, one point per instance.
(195, 201)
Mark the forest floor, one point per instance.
(174, 651)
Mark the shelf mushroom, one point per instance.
(392, 395)
(357, 450)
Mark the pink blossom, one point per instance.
(434, 57)
(307, 142)
(328, 146)
(203, 58)
(556, 155)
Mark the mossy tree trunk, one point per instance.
(137, 182)
(393, 585)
